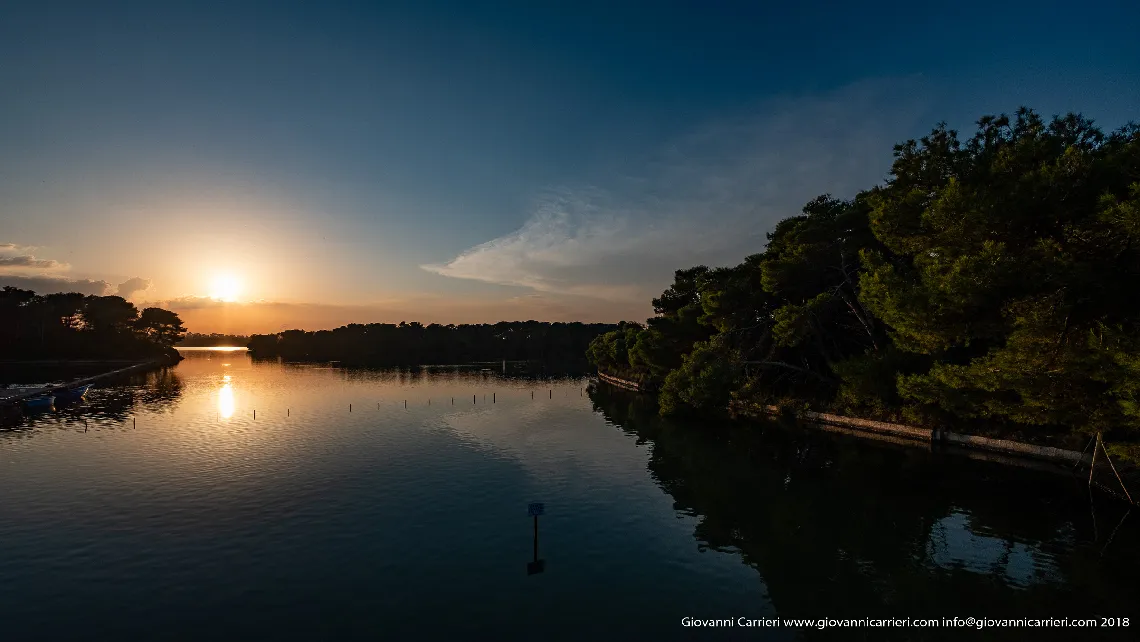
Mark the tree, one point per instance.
(986, 280)
(1005, 265)
(72, 325)
(108, 313)
(162, 326)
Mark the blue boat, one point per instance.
(72, 394)
(39, 403)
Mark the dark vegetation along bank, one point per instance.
(415, 344)
(989, 286)
(77, 326)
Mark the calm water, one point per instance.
(177, 515)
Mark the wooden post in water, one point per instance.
(492, 397)
(472, 400)
(133, 425)
(1092, 467)
(1113, 467)
(552, 393)
(350, 407)
(255, 414)
(535, 565)
(286, 412)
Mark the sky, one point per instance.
(263, 166)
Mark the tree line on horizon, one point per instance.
(434, 344)
(72, 325)
(213, 339)
(989, 281)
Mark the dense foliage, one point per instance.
(72, 325)
(199, 340)
(987, 281)
(414, 343)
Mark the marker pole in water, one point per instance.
(472, 400)
(286, 412)
(350, 407)
(492, 397)
(552, 394)
(535, 565)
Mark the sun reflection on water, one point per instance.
(226, 399)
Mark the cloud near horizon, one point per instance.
(20, 268)
(129, 287)
(54, 284)
(709, 198)
(21, 257)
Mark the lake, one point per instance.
(163, 509)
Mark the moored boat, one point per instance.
(72, 394)
(39, 403)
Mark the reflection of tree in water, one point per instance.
(114, 401)
(478, 374)
(839, 527)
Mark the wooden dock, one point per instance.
(621, 383)
(35, 392)
(925, 435)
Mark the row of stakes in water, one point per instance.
(473, 398)
(288, 411)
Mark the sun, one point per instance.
(225, 287)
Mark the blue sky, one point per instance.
(468, 161)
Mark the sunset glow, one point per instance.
(225, 287)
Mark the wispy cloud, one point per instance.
(708, 198)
